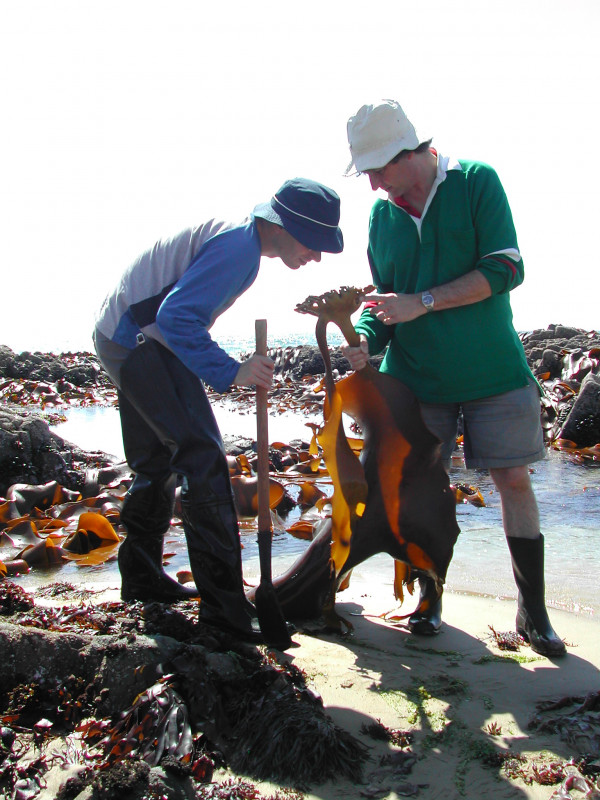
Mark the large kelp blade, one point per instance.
(93, 531)
(409, 510)
(245, 492)
(44, 554)
(94, 557)
(305, 588)
(406, 477)
(28, 496)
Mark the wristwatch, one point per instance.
(428, 301)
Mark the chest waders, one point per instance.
(168, 430)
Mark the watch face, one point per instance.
(427, 300)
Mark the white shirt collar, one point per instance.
(444, 165)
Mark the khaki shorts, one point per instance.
(499, 431)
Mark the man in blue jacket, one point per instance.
(152, 336)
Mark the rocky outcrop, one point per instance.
(79, 369)
(558, 349)
(548, 351)
(566, 361)
(31, 453)
(298, 362)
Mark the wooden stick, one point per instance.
(262, 436)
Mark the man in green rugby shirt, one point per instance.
(444, 256)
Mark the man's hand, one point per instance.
(255, 371)
(392, 308)
(357, 356)
(473, 287)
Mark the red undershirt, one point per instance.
(399, 201)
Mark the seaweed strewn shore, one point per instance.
(104, 699)
(565, 360)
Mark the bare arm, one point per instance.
(392, 308)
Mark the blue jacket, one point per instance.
(175, 291)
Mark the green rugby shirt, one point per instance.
(457, 354)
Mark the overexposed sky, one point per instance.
(127, 121)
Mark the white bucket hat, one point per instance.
(377, 133)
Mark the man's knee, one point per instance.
(512, 479)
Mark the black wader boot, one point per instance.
(533, 623)
(146, 515)
(429, 621)
(169, 429)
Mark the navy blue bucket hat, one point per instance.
(309, 211)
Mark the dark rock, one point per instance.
(541, 335)
(535, 354)
(306, 360)
(552, 361)
(6, 358)
(566, 333)
(237, 445)
(260, 716)
(31, 652)
(83, 374)
(582, 425)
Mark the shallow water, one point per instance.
(568, 496)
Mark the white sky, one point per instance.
(127, 121)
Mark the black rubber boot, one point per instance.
(532, 622)
(146, 515)
(429, 621)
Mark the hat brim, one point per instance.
(329, 240)
(376, 159)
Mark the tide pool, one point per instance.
(568, 495)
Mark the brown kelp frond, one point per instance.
(347, 474)
(245, 492)
(349, 482)
(156, 725)
(396, 498)
(403, 577)
(93, 531)
(336, 306)
(468, 494)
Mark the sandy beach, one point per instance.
(458, 695)
(464, 715)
